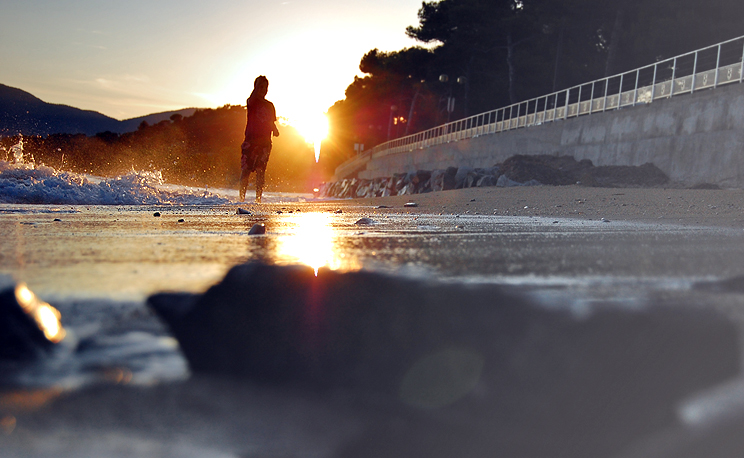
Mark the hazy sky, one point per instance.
(135, 57)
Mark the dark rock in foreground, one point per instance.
(22, 331)
(507, 377)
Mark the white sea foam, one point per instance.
(23, 183)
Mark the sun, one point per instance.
(313, 128)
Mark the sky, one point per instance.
(136, 57)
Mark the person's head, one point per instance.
(261, 85)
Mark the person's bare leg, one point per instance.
(260, 175)
(244, 176)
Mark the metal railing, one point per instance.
(684, 74)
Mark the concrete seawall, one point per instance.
(694, 138)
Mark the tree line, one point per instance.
(498, 52)
(198, 150)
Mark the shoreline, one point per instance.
(688, 207)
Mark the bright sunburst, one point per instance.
(314, 128)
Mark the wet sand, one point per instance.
(724, 208)
(644, 245)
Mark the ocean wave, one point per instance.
(29, 184)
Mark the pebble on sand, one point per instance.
(365, 221)
(257, 229)
(242, 211)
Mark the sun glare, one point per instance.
(313, 128)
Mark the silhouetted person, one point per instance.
(256, 147)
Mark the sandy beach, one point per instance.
(134, 396)
(724, 208)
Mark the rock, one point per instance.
(436, 181)
(461, 176)
(410, 204)
(257, 229)
(363, 189)
(408, 189)
(449, 181)
(479, 366)
(365, 221)
(156, 214)
(486, 180)
(29, 327)
(505, 182)
(242, 211)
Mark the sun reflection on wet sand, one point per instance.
(312, 242)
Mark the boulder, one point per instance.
(436, 181)
(515, 378)
(449, 181)
(29, 327)
(461, 176)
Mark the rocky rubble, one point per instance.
(519, 170)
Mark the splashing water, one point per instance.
(17, 154)
(24, 183)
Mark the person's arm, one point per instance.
(274, 130)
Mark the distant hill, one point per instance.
(21, 112)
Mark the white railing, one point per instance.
(684, 74)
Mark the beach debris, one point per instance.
(156, 214)
(470, 347)
(365, 221)
(382, 206)
(242, 211)
(29, 327)
(181, 220)
(604, 220)
(57, 219)
(410, 204)
(257, 229)
(338, 212)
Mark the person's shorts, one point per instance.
(254, 157)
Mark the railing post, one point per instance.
(694, 73)
(635, 91)
(555, 106)
(718, 62)
(674, 72)
(565, 111)
(607, 87)
(653, 83)
(591, 99)
(741, 67)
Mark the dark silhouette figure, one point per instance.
(256, 147)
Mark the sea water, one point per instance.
(92, 266)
